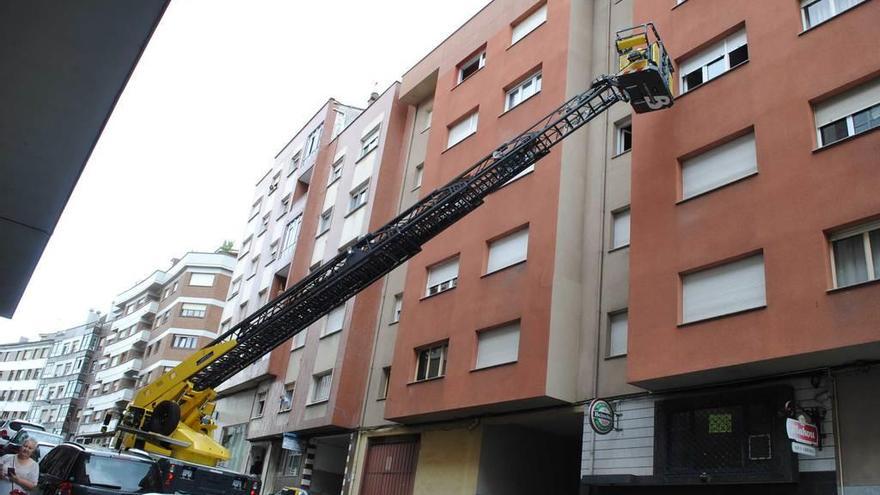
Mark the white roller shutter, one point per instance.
(848, 103)
(718, 166)
(724, 289)
(498, 346)
(508, 250)
(528, 24)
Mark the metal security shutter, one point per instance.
(390, 467)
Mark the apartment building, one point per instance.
(753, 302)
(21, 366)
(152, 326)
(270, 240)
(61, 394)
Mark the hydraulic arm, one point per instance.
(172, 415)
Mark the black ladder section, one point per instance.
(379, 252)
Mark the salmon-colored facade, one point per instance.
(800, 194)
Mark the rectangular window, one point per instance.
(335, 320)
(508, 250)
(324, 221)
(855, 255)
(523, 91)
(623, 138)
(384, 380)
(236, 287)
(467, 68)
(724, 289)
(398, 307)
(714, 61)
(529, 24)
(618, 328)
(193, 310)
(259, 405)
(314, 140)
(498, 345)
(429, 113)
(276, 179)
(294, 162)
(321, 386)
(273, 251)
(226, 325)
(291, 233)
(358, 197)
(442, 277)
(420, 169)
(201, 279)
(721, 165)
(299, 340)
(264, 223)
(254, 267)
(287, 398)
(369, 142)
(620, 228)
(816, 12)
(184, 342)
(462, 129)
(848, 114)
(431, 362)
(245, 249)
(336, 171)
(290, 462)
(255, 209)
(338, 124)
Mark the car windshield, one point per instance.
(120, 473)
(17, 425)
(39, 436)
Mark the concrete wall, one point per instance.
(859, 430)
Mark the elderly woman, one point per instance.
(18, 472)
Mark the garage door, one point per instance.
(391, 466)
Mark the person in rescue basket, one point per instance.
(18, 472)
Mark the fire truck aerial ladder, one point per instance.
(173, 415)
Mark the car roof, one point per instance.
(105, 452)
(23, 424)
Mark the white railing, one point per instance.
(116, 372)
(126, 321)
(120, 346)
(106, 401)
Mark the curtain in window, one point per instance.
(849, 261)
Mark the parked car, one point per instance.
(45, 442)
(188, 478)
(75, 469)
(9, 427)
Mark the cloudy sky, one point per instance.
(221, 87)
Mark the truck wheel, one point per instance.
(164, 418)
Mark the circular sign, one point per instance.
(601, 416)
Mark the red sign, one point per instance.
(802, 432)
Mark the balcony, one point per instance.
(94, 428)
(107, 401)
(128, 369)
(135, 340)
(136, 316)
(153, 282)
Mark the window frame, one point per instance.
(615, 215)
(191, 312)
(717, 268)
(259, 400)
(850, 126)
(369, 142)
(609, 348)
(473, 116)
(445, 285)
(316, 387)
(357, 197)
(535, 11)
(533, 80)
(441, 369)
(336, 171)
(484, 333)
(685, 87)
(287, 394)
(324, 221)
(832, 8)
(478, 58)
(864, 231)
(509, 236)
(397, 308)
(621, 129)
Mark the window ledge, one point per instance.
(727, 315)
(702, 85)
(334, 332)
(429, 296)
(416, 382)
(322, 232)
(365, 155)
(426, 129)
(617, 356)
(678, 5)
(468, 78)
(282, 411)
(502, 114)
(624, 152)
(256, 417)
(350, 213)
(618, 248)
(334, 181)
(298, 348)
(845, 140)
(503, 269)
(826, 21)
(526, 35)
(846, 288)
(317, 402)
(380, 399)
(458, 143)
(493, 366)
(395, 322)
(251, 276)
(240, 256)
(722, 186)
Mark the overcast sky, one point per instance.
(221, 87)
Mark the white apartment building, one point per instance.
(21, 366)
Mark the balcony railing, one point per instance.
(110, 400)
(133, 340)
(129, 368)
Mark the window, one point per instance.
(462, 129)
(226, 325)
(255, 266)
(338, 124)
(620, 228)
(529, 24)
(184, 342)
(431, 362)
(855, 255)
(848, 114)
(721, 165)
(245, 248)
(324, 221)
(724, 289)
(201, 279)
(236, 287)
(523, 91)
(336, 171)
(471, 65)
(335, 320)
(294, 163)
(623, 137)
(314, 140)
(299, 340)
(384, 380)
(618, 326)
(358, 197)
(276, 179)
(264, 223)
(442, 277)
(420, 169)
(370, 142)
(291, 233)
(498, 346)
(508, 250)
(321, 386)
(259, 405)
(287, 398)
(398, 307)
(429, 113)
(193, 310)
(290, 462)
(714, 61)
(815, 12)
(255, 209)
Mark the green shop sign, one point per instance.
(601, 417)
